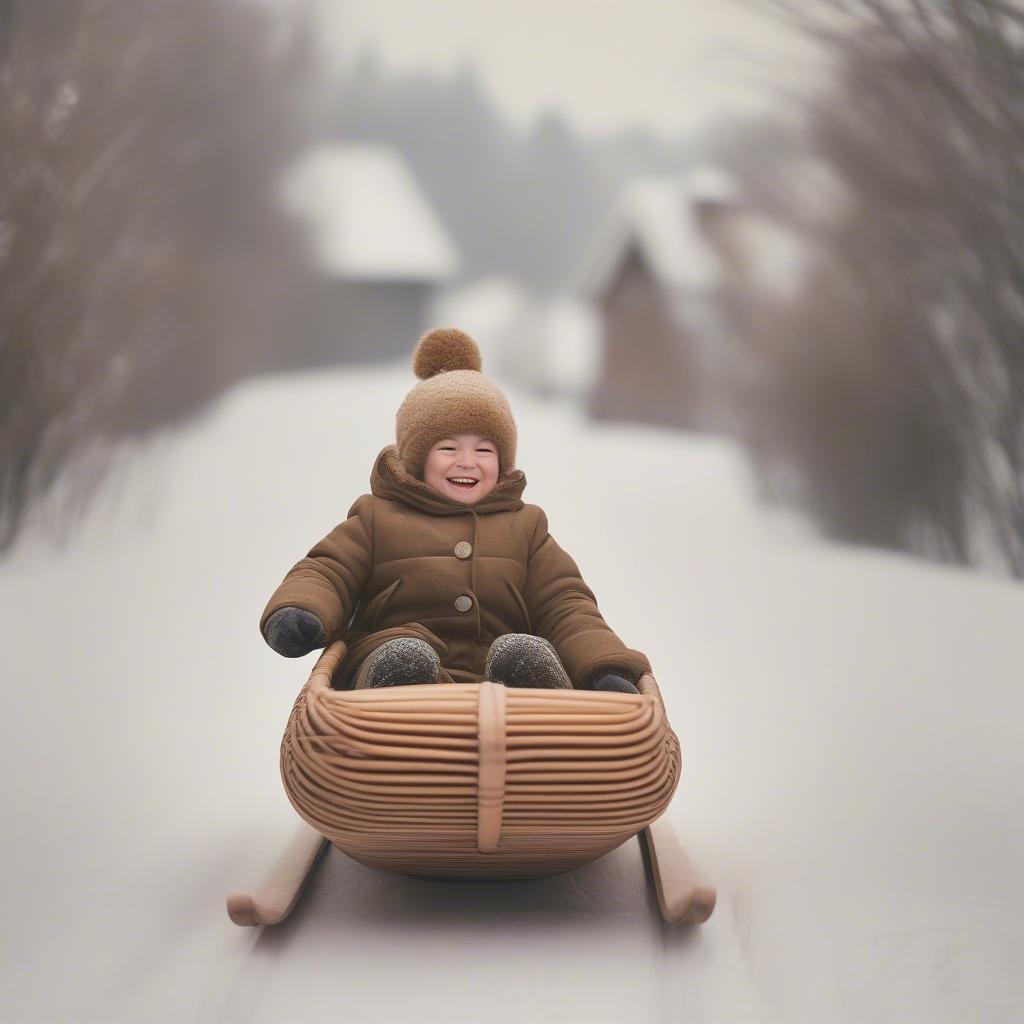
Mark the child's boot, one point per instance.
(401, 662)
(519, 659)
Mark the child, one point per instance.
(442, 573)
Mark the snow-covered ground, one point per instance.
(851, 727)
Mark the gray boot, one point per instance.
(401, 662)
(519, 659)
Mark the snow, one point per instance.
(495, 311)
(546, 345)
(776, 258)
(368, 218)
(850, 727)
(710, 184)
(657, 216)
(569, 349)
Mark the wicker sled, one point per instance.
(477, 781)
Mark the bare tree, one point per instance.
(143, 260)
(902, 369)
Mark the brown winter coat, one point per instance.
(408, 560)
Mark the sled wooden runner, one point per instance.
(480, 781)
(274, 900)
(681, 898)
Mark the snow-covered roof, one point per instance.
(709, 184)
(368, 217)
(658, 217)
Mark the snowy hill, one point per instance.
(850, 727)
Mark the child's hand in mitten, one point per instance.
(611, 682)
(294, 632)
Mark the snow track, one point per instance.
(850, 725)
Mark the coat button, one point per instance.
(463, 603)
(463, 549)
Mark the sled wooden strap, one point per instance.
(491, 779)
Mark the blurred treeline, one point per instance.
(890, 395)
(143, 260)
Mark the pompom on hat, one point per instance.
(453, 397)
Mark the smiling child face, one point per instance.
(463, 467)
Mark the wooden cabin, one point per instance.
(381, 249)
(667, 271)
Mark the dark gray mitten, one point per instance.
(614, 683)
(294, 632)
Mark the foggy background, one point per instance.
(794, 225)
(752, 276)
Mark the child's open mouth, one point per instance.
(464, 483)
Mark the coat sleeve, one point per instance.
(563, 610)
(330, 579)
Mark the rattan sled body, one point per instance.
(477, 781)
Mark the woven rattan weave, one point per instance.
(476, 780)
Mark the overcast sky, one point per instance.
(671, 66)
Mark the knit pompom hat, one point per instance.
(453, 397)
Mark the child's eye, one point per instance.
(489, 451)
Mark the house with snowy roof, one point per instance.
(381, 249)
(664, 272)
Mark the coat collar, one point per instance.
(390, 480)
